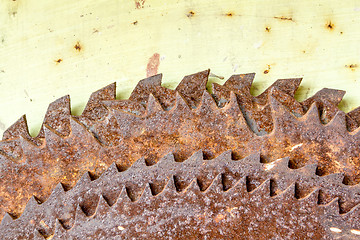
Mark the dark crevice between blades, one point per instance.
(273, 188)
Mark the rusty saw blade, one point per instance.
(197, 198)
(155, 122)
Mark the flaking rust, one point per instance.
(229, 144)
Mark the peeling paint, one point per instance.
(190, 14)
(153, 65)
(139, 4)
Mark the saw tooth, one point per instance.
(170, 187)
(278, 164)
(207, 104)
(333, 96)
(263, 190)
(60, 231)
(233, 110)
(130, 125)
(19, 128)
(288, 86)
(103, 206)
(123, 198)
(196, 159)
(288, 101)
(192, 87)
(94, 110)
(50, 135)
(309, 169)
(238, 189)
(281, 116)
(253, 159)
(312, 115)
(153, 106)
(57, 116)
(38, 236)
(58, 190)
(288, 194)
(240, 82)
(107, 131)
(334, 178)
(312, 197)
(180, 104)
(111, 191)
(167, 161)
(338, 122)
(327, 100)
(146, 194)
(353, 213)
(221, 94)
(193, 187)
(110, 171)
(138, 165)
(6, 221)
(83, 181)
(355, 115)
(31, 207)
(188, 167)
(144, 87)
(332, 208)
(216, 185)
(225, 157)
(80, 216)
(78, 129)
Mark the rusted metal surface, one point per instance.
(197, 198)
(156, 121)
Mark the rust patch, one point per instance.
(78, 47)
(190, 14)
(267, 70)
(139, 4)
(153, 65)
(329, 25)
(284, 18)
(352, 66)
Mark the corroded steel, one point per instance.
(156, 121)
(219, 198)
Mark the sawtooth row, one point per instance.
(109, 130)
(65, 212)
